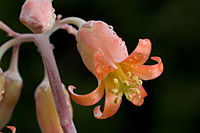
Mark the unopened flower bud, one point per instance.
(10, 96)
(38, 15)
(46, 110)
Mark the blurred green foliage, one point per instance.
(172, 104)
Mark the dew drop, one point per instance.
(144, 42)
(138, 56)
(111, 27)
(45, 89)
(2, 91)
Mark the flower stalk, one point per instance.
(46, 52)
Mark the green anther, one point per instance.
(116, 101)
(135, 78)
(139, 82)
(114, 91)
(129, 74)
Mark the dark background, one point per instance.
(172, 104)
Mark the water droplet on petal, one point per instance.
(45, 89)
(137, 56)
(111, 27)
(144, 42)
(2, 91)
(130, 60)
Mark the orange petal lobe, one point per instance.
(12, 128)
(141, 54)
(102, 65)
(110, 107)
(145, 72)
(88, 99)
(139, 99)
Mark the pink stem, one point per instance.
(46, 52)
(8, 30)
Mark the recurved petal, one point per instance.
(145, 72)
(138, 99)
(110, 107)
(88, 99)
(102, 65)
(141, 53)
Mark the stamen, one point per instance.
(139, 82)
(116, 101)
(135, 78)
(137, 91)
(115, 80)
(129, 97)
(134, 90)
(128, 74)
(126, 83)
(114, 91)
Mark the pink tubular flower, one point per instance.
(46, 110)
(106, 56)
(38, 15)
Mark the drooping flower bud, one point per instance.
(10, 96)
(38, 15)
(46, 110)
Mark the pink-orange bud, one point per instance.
(10, 96)
(38, 15)
(46, 110)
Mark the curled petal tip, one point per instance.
(141, 53)
(97, 112)
(110, 106)
(87, 99)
